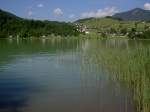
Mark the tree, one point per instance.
(12, 25)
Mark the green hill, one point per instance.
(111, 27)
(105, 24)
(7, 16)
(136, 18)
(98, 24)
(12, 25)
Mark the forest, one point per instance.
(13, 26)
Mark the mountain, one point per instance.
(136, 14)
(13, 25)
(7, 15)
(83, 20)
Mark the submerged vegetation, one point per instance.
(130, 66)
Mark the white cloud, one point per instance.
(108, 11)
(58, 12)
(40, 5)
(30, 13)
(71, 16)
(147, 6)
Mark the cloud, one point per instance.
(71, 16)
(58, 12)
(147, 6)
(108, 11)
(30, 13)
(40, 5)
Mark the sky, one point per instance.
(69, 10)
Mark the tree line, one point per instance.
(11, 25)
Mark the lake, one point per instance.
(61, 75)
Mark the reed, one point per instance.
(131, 67)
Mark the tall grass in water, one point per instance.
(131, 67)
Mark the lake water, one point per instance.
(54, 75)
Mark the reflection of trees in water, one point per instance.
(15, 90)
(9, 48)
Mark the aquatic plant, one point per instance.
(130, 66)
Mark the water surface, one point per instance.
(54, 75)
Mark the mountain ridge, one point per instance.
(136, 14)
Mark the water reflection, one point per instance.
(54, 75)
(22, 65)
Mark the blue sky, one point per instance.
(69, 10)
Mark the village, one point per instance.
(132, 32)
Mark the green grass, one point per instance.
(130, 66)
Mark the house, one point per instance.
(87, 32)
